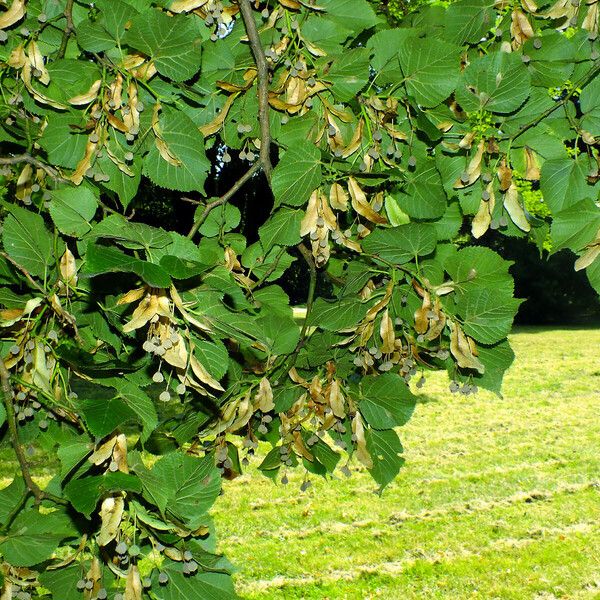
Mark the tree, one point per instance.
(150, 360)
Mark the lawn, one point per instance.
(499, 498)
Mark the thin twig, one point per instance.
(191, 200)
(224, 198)
(270, 270)
(7, 396)
(68, 29)
(27, 158)
(29, 278)
(262, 69)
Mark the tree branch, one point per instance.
(224, 198)
(68, 29)
(25, 273)
(262, 69)
(27, 158)
(7, 396)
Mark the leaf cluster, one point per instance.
(154, 363)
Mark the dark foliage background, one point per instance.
(555, 294)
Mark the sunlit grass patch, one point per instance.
(499, 497)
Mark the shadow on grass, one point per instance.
(426, 399)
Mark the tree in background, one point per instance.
(152, 359)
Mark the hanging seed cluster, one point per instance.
(156, 310)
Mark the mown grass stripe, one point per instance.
(475, 505)
(398, 567)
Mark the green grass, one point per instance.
(499, 498)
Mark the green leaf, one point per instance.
(180, 268)
(479, 267)
(349, 73)
(203, 586)
(338, 314)
(2, 415)
(272, 460)
(553, 62)
(33, 537)
(93, 37)
(99, 364)
(72, 454)
(135, 236)
(103, 259)
(10, 299)
(85, 492)
(401, 244)
(284, 397)
(386, 401)
(62, 582)
(186, 144)
(449, 225)
(496, 359)
(576, 226)
(487, 314)
(563, 182)
(279, 333)
(7, 276)
(63, 145)
(107, 30)
(353, 15)
(296, 131)
(497, 82)
(27, 241)
(590, 106)
(385, 450)
(219, 220)
(70, 77)
(468, 20)
(172, 43)
(396, 216)
(325, 33)
(189, 485)
(185, 249)
(593, 273)
(104, 416)
(23, 549)
(218, 62)
(10, 497)
(123, 185)
(384, 47)
(424, 197)
(213, 355)
(138, 401)
(272, 299)
(282, 229)
(325, 455)
(430, 69)
(297, 175)
(72, 209)
(271, 265)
